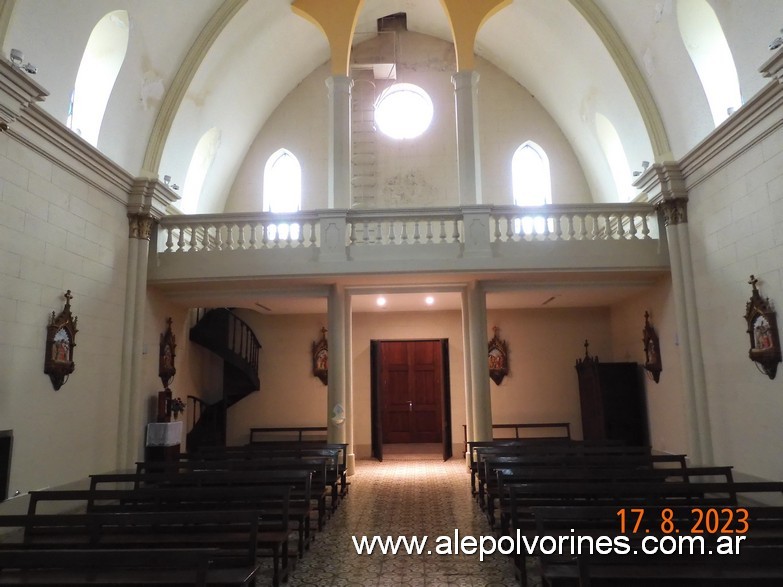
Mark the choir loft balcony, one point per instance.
(600, 237)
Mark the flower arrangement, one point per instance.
(177, 406)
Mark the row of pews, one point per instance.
(602, 513)
(206, 518)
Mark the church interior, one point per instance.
(340, 187)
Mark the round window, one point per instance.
(403, 111)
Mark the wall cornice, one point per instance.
(17, 92)
(758, 118)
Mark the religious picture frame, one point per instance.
(498, 358)
(167, 354)
(762, 329)
(320, 350)
(652, 349)
(60, 342)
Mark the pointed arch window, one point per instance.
(709, 51)
(531, 186)
(282, 191)
(100, 65)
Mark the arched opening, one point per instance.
(531, 185)
(282, 191)
(709, 51)
(615, 157)
(203, 156)
(100, 65)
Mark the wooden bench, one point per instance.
(757, 550)
(524, 498)
(558, 430)
(119, 567)
(268, 507)
(227, 542)
(232, 488)
(512, 474)
(290, 433)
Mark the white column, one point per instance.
(467, 361)
(339, 163)
(468, 161)
(479, 367)
(137, 393)
(124, 423)
(349, 419)
(337, 412)
(694, 337)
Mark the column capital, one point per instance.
(140, 226)
(662, 181)
(339, 83)
(150, 196)
(675, 211)
(467, 78)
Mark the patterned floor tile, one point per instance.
(410, 498)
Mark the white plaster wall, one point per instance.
(543, 346)
(736, 229)
(665, 400)
(418, 172)
(58, 233)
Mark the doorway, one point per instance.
(410, 394)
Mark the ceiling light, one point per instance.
(429, 300)
(381, 301)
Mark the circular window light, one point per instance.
(403, 111)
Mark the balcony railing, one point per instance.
(230, 232)
(428, 239)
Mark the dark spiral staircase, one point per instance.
(222, 332)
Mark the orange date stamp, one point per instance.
(712, 520)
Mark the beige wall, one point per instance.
(543, 347)
(58, 232)
(665, 401)
(423, 171)
(735, 220)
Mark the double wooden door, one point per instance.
(410, 393)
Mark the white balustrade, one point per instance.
(406, 227)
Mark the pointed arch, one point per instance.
(282, 190)
(709, 51)
(202, 159)
(531, 183)
(100, 65)
(615, 155)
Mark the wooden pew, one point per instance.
(267, 506)
(225, 484)
(119, 567)
(514, 474)
(754, 533)
(226, 542)
(523, 498)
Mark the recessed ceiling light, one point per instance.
(381, 301)
(429, 300)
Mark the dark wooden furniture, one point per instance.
(612, 401)
(556, 430)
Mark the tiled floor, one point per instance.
(406, 495)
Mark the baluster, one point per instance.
(192, 243)
(429, 231)
(313, 227)
(169, 241)
(253, 235)
(264, 234)
(510, 236)
(620, 226)
(571, 220)
(404, 234)
(645, 228)
(442, 235)
(241, 227)
(455, 233)
(632, 226)
(416, 236)
(558, 228)
(497, 233)
(378, 233)
(180, 240)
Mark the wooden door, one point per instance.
(411, 390)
